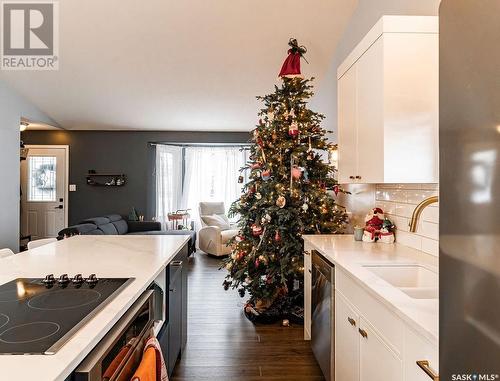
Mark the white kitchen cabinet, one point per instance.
(347, 105)
(307, 294)
(388, 104)
(371, 342)
(377, 362)
(418, 348)
(346, 340)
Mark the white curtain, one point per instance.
(211, 174)
(168, 181)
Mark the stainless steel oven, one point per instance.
(322, 315)
(119, 353)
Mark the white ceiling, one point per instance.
(177, 65)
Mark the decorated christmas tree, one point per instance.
(285, 197)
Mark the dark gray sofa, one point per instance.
(114, 224)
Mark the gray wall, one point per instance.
(364, 17)
(125, 152)
(12, 108)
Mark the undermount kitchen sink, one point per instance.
(418, 282)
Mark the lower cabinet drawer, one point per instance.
(388, 325)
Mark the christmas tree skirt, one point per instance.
(289, 307)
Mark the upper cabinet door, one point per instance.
(347, 126)
(411, 107)
(388, 104)
(370, 114)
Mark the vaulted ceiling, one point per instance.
(177, 65)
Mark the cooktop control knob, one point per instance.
(49, 280)
(92, 279)
(63, 279)
(77, 279)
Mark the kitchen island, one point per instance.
(140, 257)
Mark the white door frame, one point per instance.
(66, 174)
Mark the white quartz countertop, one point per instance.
(140, 257)
(350, 256)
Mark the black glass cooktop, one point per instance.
(38, 315)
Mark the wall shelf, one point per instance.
(106, 179)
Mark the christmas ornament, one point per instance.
(266, 174)
(306, 176)
(240, 179)
(296, 172)
(239, 238)
(277, 236)
(270, 116)
(291, 66)
(256, 230)
(256, 165)
(293, 130)
(336, 189)
(258, 195)
(281, 201)
(267, 218)
(310, 155)
(305, 207)
(285, 323)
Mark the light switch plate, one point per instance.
(72, 187)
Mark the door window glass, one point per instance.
(42, 178)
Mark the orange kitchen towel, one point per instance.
(161, 369)
(147, 368)
(115, 363)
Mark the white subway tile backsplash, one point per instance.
(431, 214)
(417, 196)
(428, 229)
(409, 239)
(430, 246)
(399, 201)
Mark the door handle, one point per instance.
(358, 177)
(59, 207)
(351, 177)
(424, 365)
(363, 333)
(351, 321)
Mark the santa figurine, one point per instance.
(373, 223)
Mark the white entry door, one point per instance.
(43, 191)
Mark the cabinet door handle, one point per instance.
(176, 263)
(425, 366)
(351, 321)
(363, 333)
(351, 177)
(358, 177)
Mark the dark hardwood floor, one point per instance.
(223, 345)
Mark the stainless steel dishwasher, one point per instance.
(322, 319)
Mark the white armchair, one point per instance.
(216, 230)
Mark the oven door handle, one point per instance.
(90, 367)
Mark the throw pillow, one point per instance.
(216, 220)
